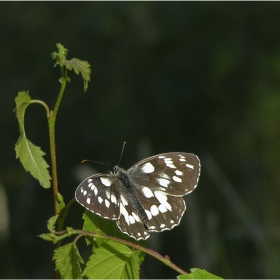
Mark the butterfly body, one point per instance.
(147, 197)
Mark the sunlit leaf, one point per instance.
(51, 223)
(30, 156)
(113, 260)
(197, 273)
(95, 223)
(67, 261)
(82, 67)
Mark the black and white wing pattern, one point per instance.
(147, 197)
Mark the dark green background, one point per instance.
(196, 77)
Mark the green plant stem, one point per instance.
(153, 253)
(42, 103)
(51, 121)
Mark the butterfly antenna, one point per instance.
(85, 160)
(121, 153)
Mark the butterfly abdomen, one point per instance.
(128, 192)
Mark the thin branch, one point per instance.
(42, 103)
(153, 253)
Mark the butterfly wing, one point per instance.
(130, 222)
(100, 194)
(174, 174)
(159, 182)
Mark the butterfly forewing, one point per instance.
(100, 194)
(173, 173)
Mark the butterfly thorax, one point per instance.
(128, 190)
(122, 176)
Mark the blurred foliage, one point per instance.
(185, 76)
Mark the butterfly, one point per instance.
(145, 198)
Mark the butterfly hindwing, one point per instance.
(163, 211)
(131, 221)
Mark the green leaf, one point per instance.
(60, 56)
(61, 203)
(30, 155)
(197, 273)
(32, 160)
(22, 101)
(95, 223)
(67, 261)
(53, 237)
(79, 66)
(48, 237)
(82, 67)
(113, 260)
(51, 223)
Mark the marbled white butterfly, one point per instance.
(147, 197)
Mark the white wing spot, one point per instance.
(139, 234)
(113, 199)
(163, 175)
(107, 203)
(149, 215)
(161, 157)
(88, 200)
(124, 212)
(154, 210)
(163, 182)
(161, 197)
(179, 173)
(147, 192)
(131, 219)
(145, 233)
(162, 208)
(100, 199)
(168, 161)
(171, 221)
(170, 165)
(89, 180)
(85, 192)
(182, 159)
(94, 189)
(190, 166)
(148, 168)
(107, 194)
(177, 179)
(105, 181)
(124, 201)
(162, 226)
(152, 227)
(137, 219)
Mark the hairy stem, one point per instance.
(42, 103)
(51, 121)
(153, 253)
